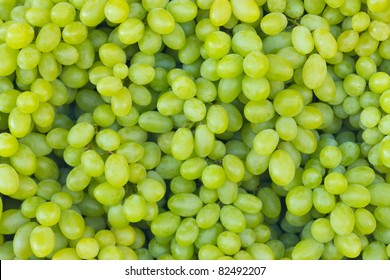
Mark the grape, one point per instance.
(252, 129)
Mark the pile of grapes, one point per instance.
(194, 129)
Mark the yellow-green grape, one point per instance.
(62, 14)
(103, 116)
(48, 214)
(325, 43)
(365, 221)
(217, 119)
(335, 183)
(208, 216)
(323, 201)
(314, 71)
(256, 89)
(246, 41)
(273, 23)
(327, 91)
(259, 111)
(248, 203)
(194, 109)
(66, 54)
(165, 224)
(151, 41)
(260, 251)
(375, 251)
(37, 16)
(48, 37)
(9, 179)
(348, 244)
(109, 86)
(204, 140)
(302, 39)
(92, 12)
(384, 101)
(299, 201)
(169, 104)
(42, 241)
(176, 39)
(379, 82)
(28, 58)
(24, 161)
(229, 242)
(8, 144)
(155, 122)
(280, 69)
(308, 249)
(87, 248)
(380, 193)
(209, 252)
(245, 11)
(356, 196)
(281, 168)
(342, 219)
(234, 168)
(21, 242)
(322, 231)
(370, 117)
(381, 215)
(360, 21)
(134, 208)
(116, 170)
(137, 172)
(232, 218)
(213, 176)
(288, 103)
(230, 66)
(141, 73)
(107, 139)
(220, 12)
(185, 204)
(71, 224)
(182, 144)
(131, 31)
(19, 35)
(81, 134)
(124, 236)
(217, 44)
(330, 156)
(265, 142)
(110, 54)
(77, 179)
(379, 30)
(255, 64)
(271, 203)
(9, 64)
(187, 232)
(376, 6)
(151, 190)
(160, 21)
(347, 41)
(116, 11)
(182, 10)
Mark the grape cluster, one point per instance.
(194, 129)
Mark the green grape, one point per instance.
(308, 249)
(48, 214)
(209, 252)
(273, 23)
(92, 12)
(281, 167)
(280, 69)
(160, 21)
(107, 139)
(19, 35)
(71, 224)
(260, 251)
(151, 190)
(245, 11)
(182, 144)
(24, 161)
(48, 37)
(229, 242)
(299, 201)
(379, 194)
(232, 218)
(314, 61)
(349, 244)
(185, 204)
(8, 144)
(165, 224)
(322, 231)
(217, 44)
(213, 176)
(42, 241)
(21, 243)
(220, 12)
(342, 219)
(248, 203)
(187, 232)
(116, 170)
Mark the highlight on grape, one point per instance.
(195, 129)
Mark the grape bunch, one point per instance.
(195, 129)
